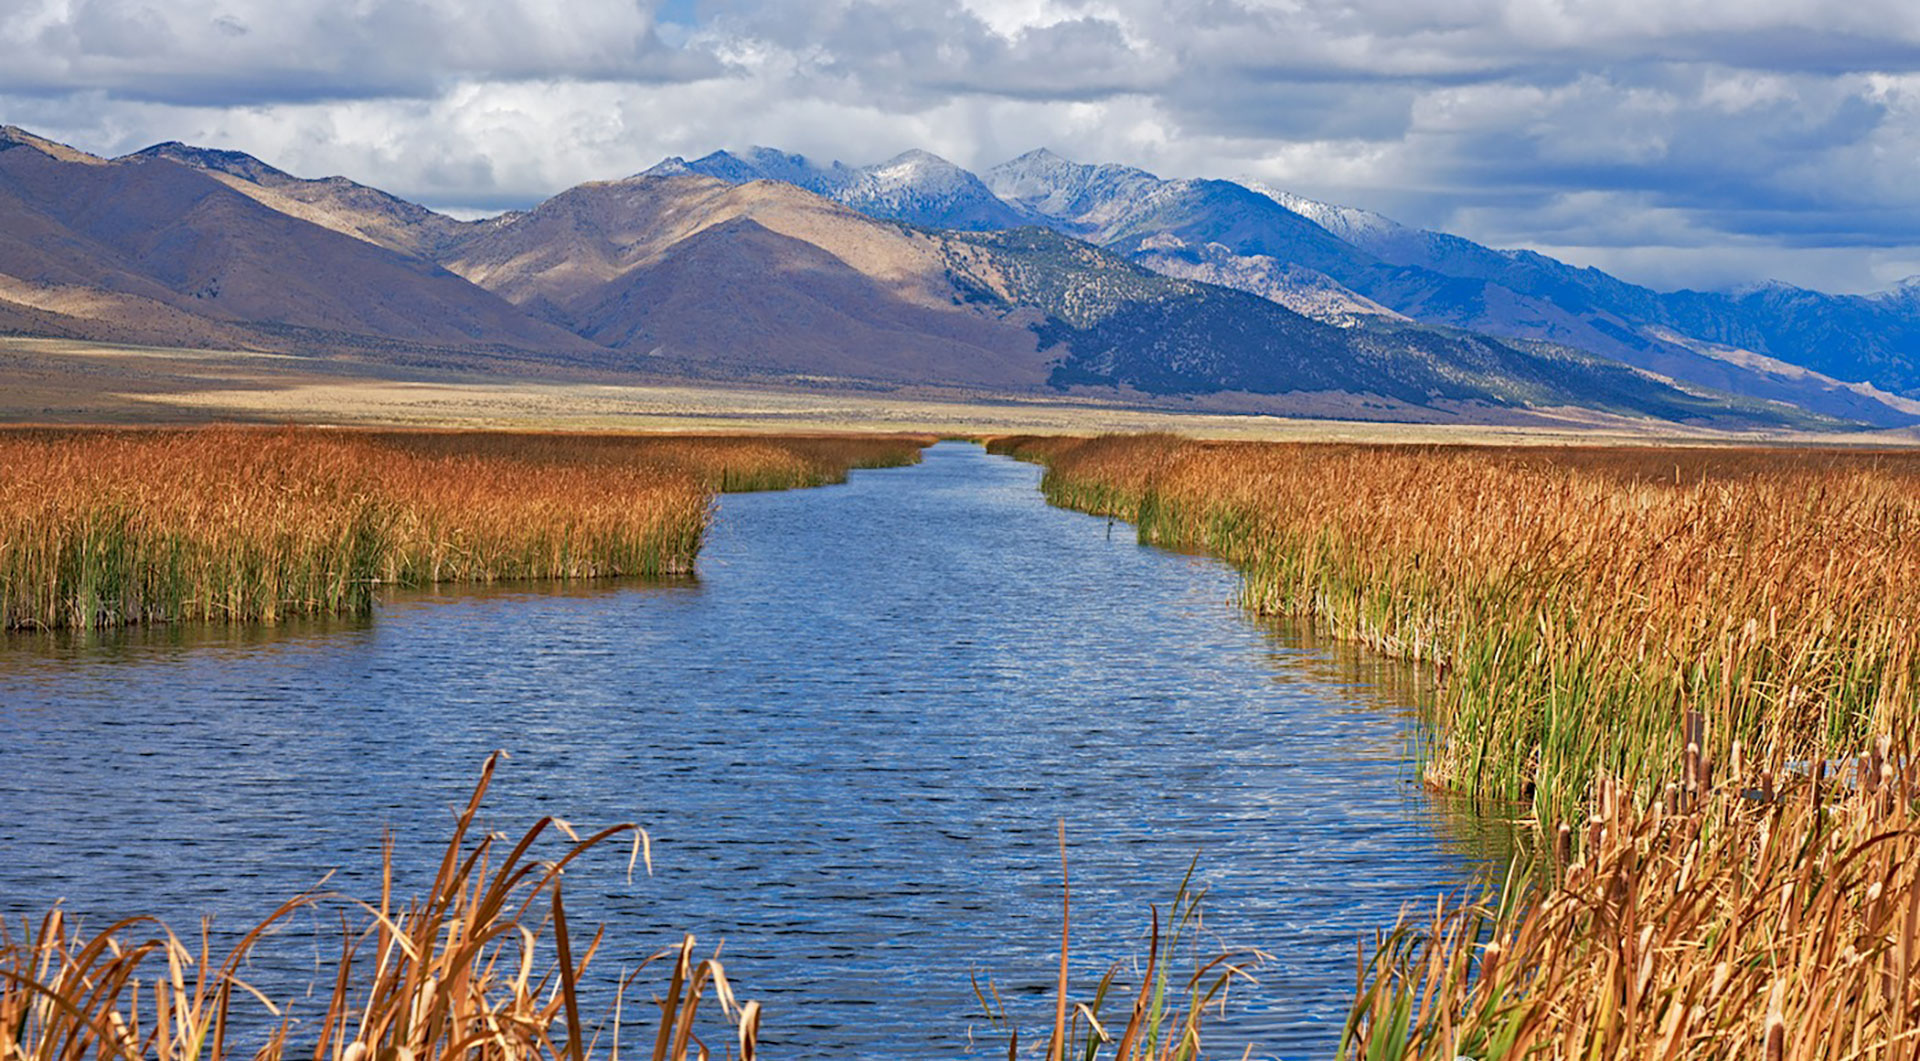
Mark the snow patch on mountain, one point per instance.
(1768, 289)
(1387, 239)
(1305, 291)
(1362, 228)
(916, 172)
(917, 186)
(1046, 184)
(1903, 295)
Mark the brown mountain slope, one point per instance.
(336, 203)
(758, 277)
(738, 298)
(96, 240)
(77, 312)
(590, 234)
(14, 136)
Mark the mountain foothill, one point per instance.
(1039, 278)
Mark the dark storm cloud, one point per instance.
(1805, 148)
(1292, 110)
(1792, 49)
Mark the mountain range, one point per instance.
(1039, 277)
(1850, 356)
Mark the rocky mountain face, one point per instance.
(1868, 338)
(1331, 262)
(711, 278)
(1735, 343)
(765, 266)
(1305, 291)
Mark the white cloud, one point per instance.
(1661, 136)
(250, 51)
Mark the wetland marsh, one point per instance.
(850, 737)
(1647, 646)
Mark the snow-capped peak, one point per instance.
(1358, 227)
(916, 157)
(920, 171)
(923, 188)
(1039, 156)
(1045, 183)
(1768, 286)
(671, 166)
(915, 186)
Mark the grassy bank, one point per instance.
(111, 527)
(1649, 645)
(1758, 915)
(1579, 604)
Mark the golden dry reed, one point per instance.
(481, 968)
(1163, 1019)
(1758, 916)
(1606, 627)
(104, 528)
(484, 968)
(1577, 604)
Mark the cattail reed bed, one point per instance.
(1753, 914)
(1652, 655)
(113, 527)
(1577, 604)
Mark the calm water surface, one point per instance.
(850, 738)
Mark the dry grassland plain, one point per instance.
(52, 381)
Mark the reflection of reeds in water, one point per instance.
(1632, 616)
(1367, 677)
(102, 528)
(481, 968)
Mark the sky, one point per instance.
(1702, 143)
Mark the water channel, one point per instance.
(850, 738)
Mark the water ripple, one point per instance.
(850, 739)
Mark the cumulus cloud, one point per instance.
(1698, 142)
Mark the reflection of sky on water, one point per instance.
(850, 740)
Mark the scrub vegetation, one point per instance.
(112, 527)
(1607, 625)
